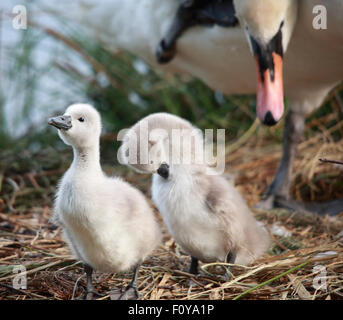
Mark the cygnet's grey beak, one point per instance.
(163, 170)
(61, 122)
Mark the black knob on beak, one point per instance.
(269, 119)
(163, 170)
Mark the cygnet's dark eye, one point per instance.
(81, 119)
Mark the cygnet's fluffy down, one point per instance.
(108, 224)
(204, 212)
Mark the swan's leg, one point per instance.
(292, 135)
(230, 258)
(193, 269)
(90, 291)
(277, 194)
(89, 288)
(131, 291)
(183, 19)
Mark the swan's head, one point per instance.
(268, 25)
(79, 126)
(144, 146)
(158, 142)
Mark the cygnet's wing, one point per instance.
(235, 220)
(223, 202)
(219, 194)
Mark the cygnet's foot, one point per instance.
(115, 293)
(130, 293)
(163, 53)
(331, 208)
(89, 295)
(227, 275)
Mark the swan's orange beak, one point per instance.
(270, 104)
(269, 59)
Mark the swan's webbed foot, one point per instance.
(331, 208)
(131, 291)
(90, 293)
(267, 203)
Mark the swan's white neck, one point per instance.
(185, 174)
(87, 158)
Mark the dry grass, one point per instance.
(287, 271)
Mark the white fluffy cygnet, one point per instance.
(203, 211)
(108, 224)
